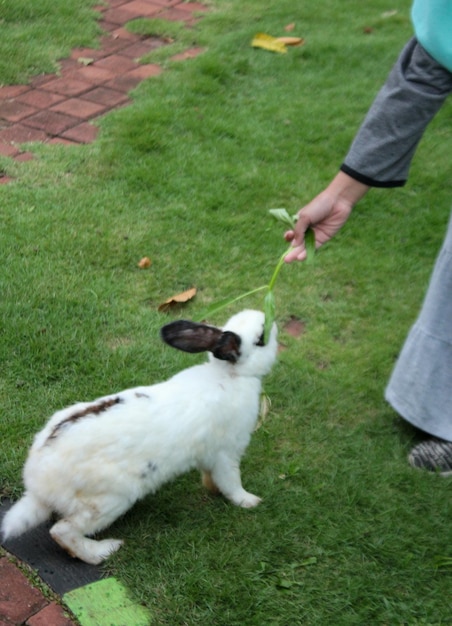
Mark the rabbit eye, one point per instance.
(260, 341)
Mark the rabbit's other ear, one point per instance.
(193, 337)
(228, 347)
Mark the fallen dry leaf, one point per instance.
(289, 28)
(267, 42)
(144, 263)
(179, 298)
(291, 41)
(85, 60)
(264, 410)
(294, 326)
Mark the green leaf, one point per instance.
(283, 216)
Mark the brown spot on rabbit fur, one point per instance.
(93, 409)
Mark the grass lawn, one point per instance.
(347, 533)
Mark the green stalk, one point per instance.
(217, 306)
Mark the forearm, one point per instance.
(381, 153)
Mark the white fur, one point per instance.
(92, 469)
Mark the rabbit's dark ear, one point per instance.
(228, 347)
(190, 336)
(193, 337)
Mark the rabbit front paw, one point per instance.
(247, 500)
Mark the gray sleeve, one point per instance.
(383, 148)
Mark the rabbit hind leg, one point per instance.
(90, 517)
(71, 539)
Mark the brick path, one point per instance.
(58, 109)
(23, 603)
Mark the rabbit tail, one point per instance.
(27, 513)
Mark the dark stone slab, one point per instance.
(54, 566)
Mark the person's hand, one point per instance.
(325, 214)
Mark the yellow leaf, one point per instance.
(267, 42)
(179, 298)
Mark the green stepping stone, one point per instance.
(106, 602)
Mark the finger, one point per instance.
(296, 254)
(289, 235)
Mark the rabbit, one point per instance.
(93, 460)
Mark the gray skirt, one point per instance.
(420, 387)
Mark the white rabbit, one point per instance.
(94, 460)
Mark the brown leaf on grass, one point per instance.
(289, 28)
(294, 326)
(144, 263)
(291, 41)
(180, 298)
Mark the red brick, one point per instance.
(123, 83)
(118, 16)
(129, 81)
(167, 3)
(83, 133)
(106, 96)
(62, 142)
(68, 65)
(51, 615)
(140, 48)
(18, 599)
(8, 150)
(14, 111)
(24, 156)
(93, 74)
(141, 8)
(79, 108)
(175, 15)
(18, 133)
(116, 63)
(51, 122)
(116, 41)
(117, 3)
(147, 70)
(11, 91)
(86, 53)
(191, 6)
(39, 98)
(67, 86)
(42, 79)
(108, 26)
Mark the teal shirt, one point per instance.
(432, 20)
